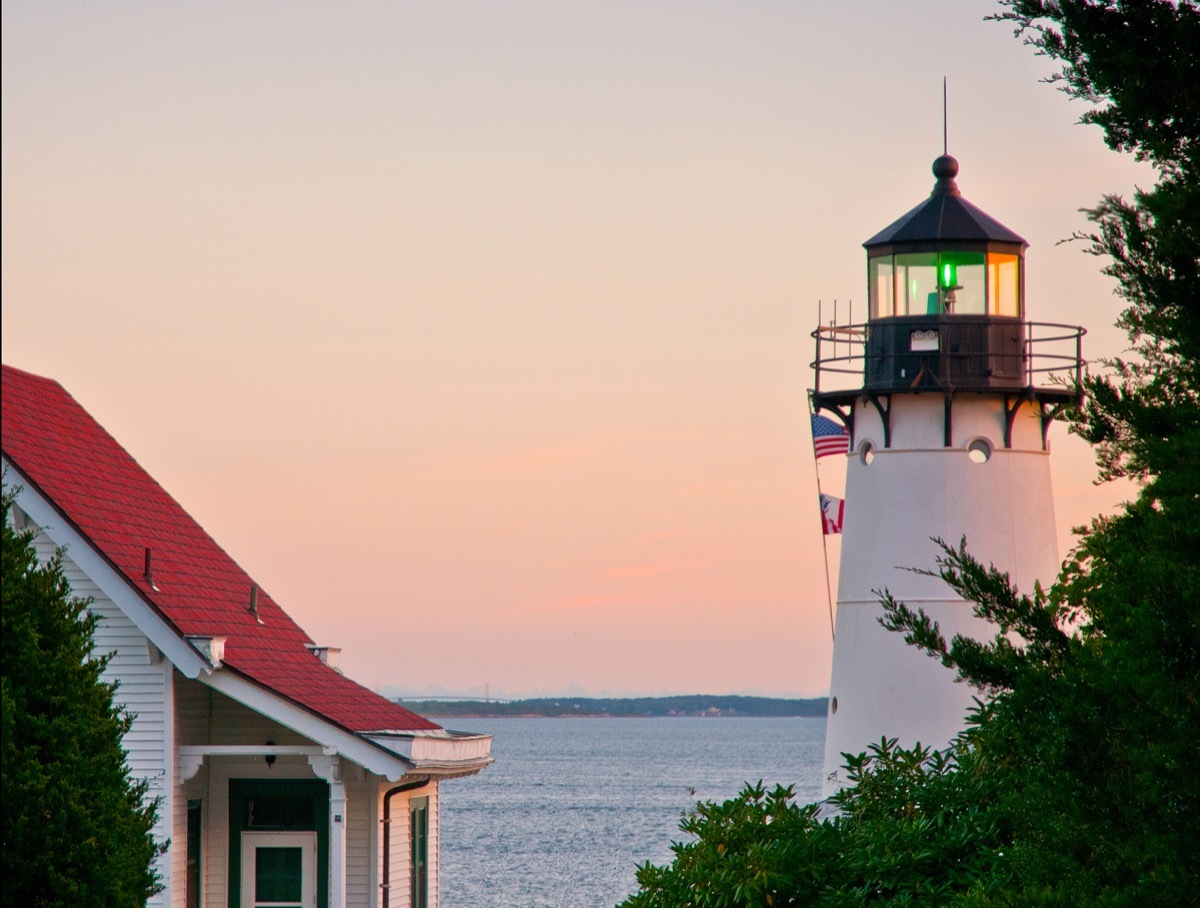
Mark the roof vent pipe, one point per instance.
(254, 602)
(147, 572)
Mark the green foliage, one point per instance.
(759, 848)
(1088, 743)
(1135, 59)
(1076, 782)
(1139, 62)
(914, 828)
(76, 827)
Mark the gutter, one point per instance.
(386, 885)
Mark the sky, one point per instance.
(479, 332)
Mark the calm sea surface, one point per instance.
(571, 806)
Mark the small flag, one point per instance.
(832, 511)
(829, 437)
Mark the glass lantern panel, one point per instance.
(960, 283)
(916, 284)
(1003, 284)
(882, 286)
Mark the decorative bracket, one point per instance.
(326, 765)
(1012, 403)
(885, 414)
(1048, 415)
(189, 765)
(844, 413)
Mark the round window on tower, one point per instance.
(979, 450)
(866, 452)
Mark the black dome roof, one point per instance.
(945, 217)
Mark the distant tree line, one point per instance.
(623, 707)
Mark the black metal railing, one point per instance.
(950, 353)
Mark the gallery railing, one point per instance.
(948, 353)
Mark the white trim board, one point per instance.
(116, 587)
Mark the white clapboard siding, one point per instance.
(144, 691)
(399, 845)
(178, 854)
(435, 848)
(362, 877)
(215, 859)
(400, 859)
(234, 723)
(207, 716)
(193, 709)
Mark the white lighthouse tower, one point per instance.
(947, 392)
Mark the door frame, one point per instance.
(311, 792)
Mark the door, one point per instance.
(279, 870)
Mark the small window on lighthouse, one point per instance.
(1003, 284)
(883, 287)
(979, 450)
(866, 453)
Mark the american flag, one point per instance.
(832, 511)
(829, 437)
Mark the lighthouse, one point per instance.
(947, 392)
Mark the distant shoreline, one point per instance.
(687, 706)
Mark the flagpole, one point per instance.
(824, 540)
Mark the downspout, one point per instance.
(387, 832)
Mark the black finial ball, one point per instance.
(945, 167)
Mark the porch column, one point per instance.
(329, 767)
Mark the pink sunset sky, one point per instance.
(478, 332)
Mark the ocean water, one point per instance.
(572, 806)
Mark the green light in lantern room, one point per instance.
(949, 275)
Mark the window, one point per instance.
(418, 809)
(194, 839)
(956, 282)
(916, 284)
(882, 290)
(979, 450)
(1003, 284)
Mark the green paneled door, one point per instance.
(279, 870)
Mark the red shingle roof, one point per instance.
(100, 489)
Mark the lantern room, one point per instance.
(946, 315)
(946, 296)
(945, 257)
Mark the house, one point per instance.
(281, 781)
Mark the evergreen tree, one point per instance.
(76, 826)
